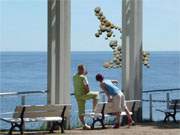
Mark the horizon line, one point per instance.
(96, 51)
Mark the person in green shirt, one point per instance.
(83, 93)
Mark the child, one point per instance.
(114, 95)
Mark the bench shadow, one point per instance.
(161, 125)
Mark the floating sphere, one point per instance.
(112, 26)
(146, 59)
(114, 59)
(96, 14)
(96, 34)
(117, 56)
(107, 24)
(102, 23)
(117, 63)
(99, 17)
(108, 30)
(145, 62)
(102, 28)
(117, 51)
(106, 64)
(103, 18)
(105, 21)
(100, 32)
(109, 34)
(113, 42)
(97, 9)
(119, 48)
(100, 13)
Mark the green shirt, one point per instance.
(79, 82)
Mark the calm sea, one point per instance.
(27, 71)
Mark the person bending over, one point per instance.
(114, 95)
(83, 93)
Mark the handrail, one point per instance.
(45, 91)
(22, 93)
(160, 90)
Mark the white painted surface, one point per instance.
(59, 51)
(132, 48)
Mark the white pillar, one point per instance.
(59, 51)
(132, 48)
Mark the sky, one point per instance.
(23, 24)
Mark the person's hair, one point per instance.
(80, 66)
(99, 77)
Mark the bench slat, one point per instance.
(39, 119)
(171, 106)
(41, 111)
(106, 115)
(109, 107)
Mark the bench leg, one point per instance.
(62, 128)
(94, 121)
(21, 130)
(11, 129)
(52, 128)
(98, 120)
(166, 116)
(61, 124)
(13, 126)
(174, 118)
(56, 124)
(102, 123)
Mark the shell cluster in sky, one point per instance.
(107, 27)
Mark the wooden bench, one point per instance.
(172, 109)
(39, 113)
(104, 109)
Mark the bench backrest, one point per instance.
(109, 107)
(172, 104)
(33, 111)
(133, 105)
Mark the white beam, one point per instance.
(59, 51)
(132, 48)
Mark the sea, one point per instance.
(27, 71)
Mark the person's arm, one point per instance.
(86, 86)
(106, 92)
(114, 81)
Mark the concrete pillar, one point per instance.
(132, 49)
(59, 51)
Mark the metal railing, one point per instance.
(27, 93)
(150, 99)
(23, 94)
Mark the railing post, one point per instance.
(23, 100)
(150, 107)
(167, 99)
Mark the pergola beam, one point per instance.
(59, 51)
(132, 48)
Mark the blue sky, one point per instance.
(23, 24)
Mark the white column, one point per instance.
(59, 51)
(132, 48)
